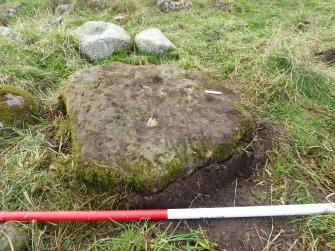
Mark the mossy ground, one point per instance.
(266, 53)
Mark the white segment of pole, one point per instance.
(250, 211)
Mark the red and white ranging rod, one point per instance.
(170, 214)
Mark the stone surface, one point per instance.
(10, 34)
(173, 5)
(12, 100)
(144, 126)
(13, 238)
(10, 13)
(121, 17)
(16, 106)
(99, 39)
(154, 41)
(223, 6)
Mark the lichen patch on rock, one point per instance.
(144, 126)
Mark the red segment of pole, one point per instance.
(117, 215)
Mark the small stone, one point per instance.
(16, 106)
(10, 12)
(121, 17)
(154, 41)
(13, 100)
(10, 34)
(223, 6)
(152, 122)
(97, 4)
(214, 38)
(173, 5)
(99, 39)
(13, 238)
(1, 125)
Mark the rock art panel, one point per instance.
(144, 126)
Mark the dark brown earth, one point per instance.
(242, 234)
(210, 179)
(252, 233)
(328, 56)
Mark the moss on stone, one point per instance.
(15, 116)
(142, 175)
(119, 149)
(174, 170)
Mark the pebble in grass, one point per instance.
(226, 7)
(10, 13)
(12, 237)
(16, 106)
(99, 39)
(173, 5)
(154, 41)
(11, 35)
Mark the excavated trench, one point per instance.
(208, 180)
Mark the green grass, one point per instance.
(150, 237)
(266, 53)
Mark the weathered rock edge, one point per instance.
(202, 186)
(148, 171)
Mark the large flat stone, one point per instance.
(144, 126)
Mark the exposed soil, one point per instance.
(242, 234)
(236, 182)
(209, 179)
(328, 56)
